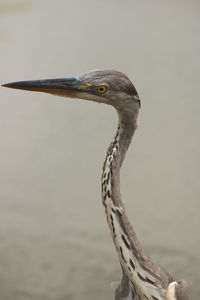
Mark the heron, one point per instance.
(142, 278)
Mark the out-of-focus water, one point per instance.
(54, 240)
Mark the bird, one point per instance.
(141, 278)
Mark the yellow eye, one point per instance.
(101, 89)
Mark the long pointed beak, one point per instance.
(66, 87)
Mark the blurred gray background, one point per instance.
(54, 240)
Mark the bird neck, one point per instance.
(127, 127)
(139, 280)
(115, 156)
(111, 197)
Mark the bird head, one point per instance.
(102, 86)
